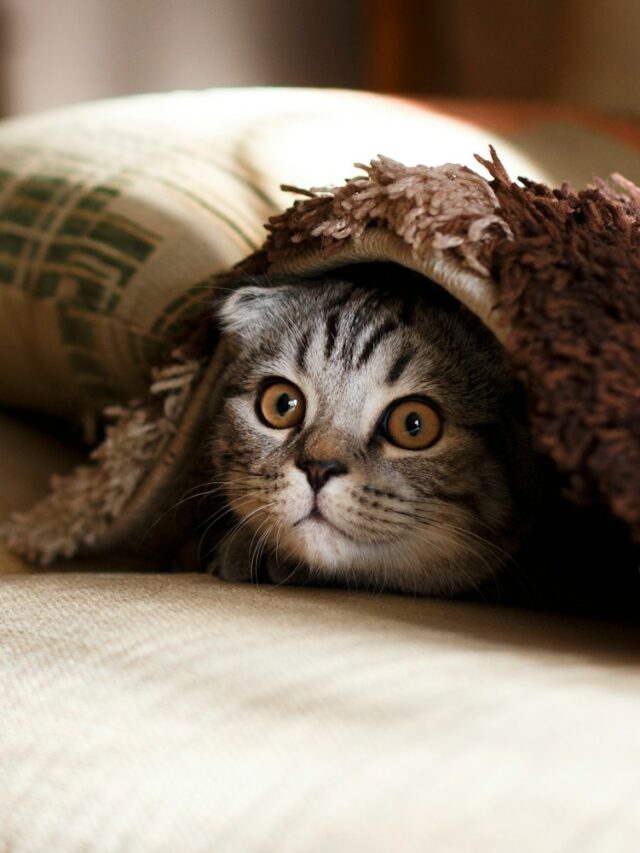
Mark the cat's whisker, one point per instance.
(240, 497)
(458, 538)
(263, 543)
(279, 529)
(291, 574)
(174, 506)
(243, 522)
(262, 475)
(440, 501)
(216, 518)
(503, 558)
(237, 527)
(254, 555)
(429, 517)
(220, 485)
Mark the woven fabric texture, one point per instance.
(178, 714)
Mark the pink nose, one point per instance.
(318, 471)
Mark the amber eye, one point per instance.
(411, 424)
(281, 405)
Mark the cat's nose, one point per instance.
(318, 471)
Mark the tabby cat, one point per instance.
(367, 436)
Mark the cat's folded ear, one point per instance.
(249, 307)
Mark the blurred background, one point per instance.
(585, 52)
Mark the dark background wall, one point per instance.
(54, 52)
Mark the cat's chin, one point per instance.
(332, 554)
(316, 524)
(323, 545)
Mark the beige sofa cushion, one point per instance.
(150, 713)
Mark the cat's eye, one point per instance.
(411, 424)
(281, 405)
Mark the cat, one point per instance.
(367, 436)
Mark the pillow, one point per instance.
(114, 215)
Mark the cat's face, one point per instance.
(363, 435)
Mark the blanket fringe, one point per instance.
(82, 506)
(446, 208)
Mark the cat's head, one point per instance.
(367, 433)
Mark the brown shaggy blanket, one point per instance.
(569, 284)
(567, 270)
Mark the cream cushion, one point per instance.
(175, 713)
